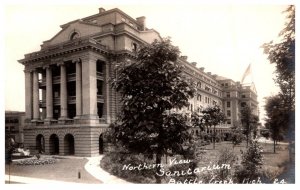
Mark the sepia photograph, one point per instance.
(149, 92)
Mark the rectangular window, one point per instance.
(243, 96)
(56, 95)
(229, 121)
(228, 94)
(228, 113)
(228, 104)
(199, 97)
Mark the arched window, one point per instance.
(74, 36)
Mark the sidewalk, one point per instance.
(269, 141)
(93, 167)
(31, 180)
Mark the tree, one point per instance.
(197, 121)
(151, 87)
(282, 54)
(276, 118)
(249, 121)
(213, 116)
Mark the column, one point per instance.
(49, 94)
(28, 95)
(89, 91)
(107, 96)
(78, 90)
(36, 107)
(63, 92)
(43, 114)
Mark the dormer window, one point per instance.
(74, 36)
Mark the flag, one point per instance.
(247, 72)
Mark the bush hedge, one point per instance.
(35, 161)
(114, 162)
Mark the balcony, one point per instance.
(100, 98)
(100, 76)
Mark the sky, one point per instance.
(224, 38)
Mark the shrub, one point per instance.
(114, 162)
(226, 157)
(183, 167)
(252, 161)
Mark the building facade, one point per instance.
(69, 98)
(14, 124)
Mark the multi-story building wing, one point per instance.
(14, 123)
(69, 98)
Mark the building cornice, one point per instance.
(63, 49)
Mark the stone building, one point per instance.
(14, 123)
(69, 99)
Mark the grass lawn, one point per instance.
(274, 164)
(63, 170)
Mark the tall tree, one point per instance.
(249, 121)
(151, 87)
(282, 54)
(213, 116)
(276, 118)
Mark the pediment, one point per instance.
(79, 27)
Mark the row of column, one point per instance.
(86, 90)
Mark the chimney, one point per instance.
(141, 22)
(209, 73)
(202, 68)
(194, 63)
(215, 76)
(101, 10)
(184, 57)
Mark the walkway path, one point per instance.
(91, 172)
(30, 180)
(93, 167)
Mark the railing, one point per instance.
(100, 98)
(42, 82)
(71, 99)
(56, 101)
(53, 122)
(56, 79)
(42, 103)
(100, 76)
(72, 77)
(69, 121)
(102, 120)
(39, 123)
